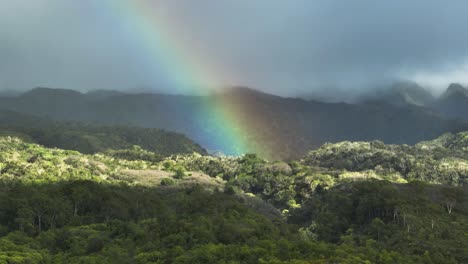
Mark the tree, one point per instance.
(24, 218)
(40, 206)
(377, 225)
(179, 173)
(451, 197)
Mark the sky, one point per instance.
(282, 47)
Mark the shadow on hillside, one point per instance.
(36, 207)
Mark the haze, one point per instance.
(281, 47)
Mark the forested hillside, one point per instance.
(443, 160)
(91, 139)
(343, 203)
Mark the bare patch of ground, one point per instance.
(154, 178)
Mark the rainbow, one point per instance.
(162, 42)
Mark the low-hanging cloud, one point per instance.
(284, 47)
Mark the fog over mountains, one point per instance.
(328, 48)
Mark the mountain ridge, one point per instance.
(453, 103)
(288, 127)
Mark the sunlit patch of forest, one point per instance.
(350, 202)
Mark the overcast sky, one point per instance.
(283, 47)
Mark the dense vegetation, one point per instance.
(91, 139)
(343, 203)
(444, 160)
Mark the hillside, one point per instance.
(401, 94)
(281, 128)
(443, 160)
(63, 206)
(92, 138)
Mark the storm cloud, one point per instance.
(283, 47)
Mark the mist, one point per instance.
(337, 49)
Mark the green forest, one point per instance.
(140, 202)
(90, 139)
(233, 132)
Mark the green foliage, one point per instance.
(407, 218)
(345, 203)
(179, 173)
(167, 182)
(134, 153)
(443, 160)
(93, 139)
(21, 161)
(123, 224)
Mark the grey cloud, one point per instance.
(284, 47)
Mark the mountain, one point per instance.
(290, 125)
(102, 94)
(277, 127)
(453, 103)
(411, 94)
(401, 94)
(455, 89)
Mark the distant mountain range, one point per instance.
(288, 127)
(401, 94)
(452, 104)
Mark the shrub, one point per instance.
(167, 182)
(179, 173)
